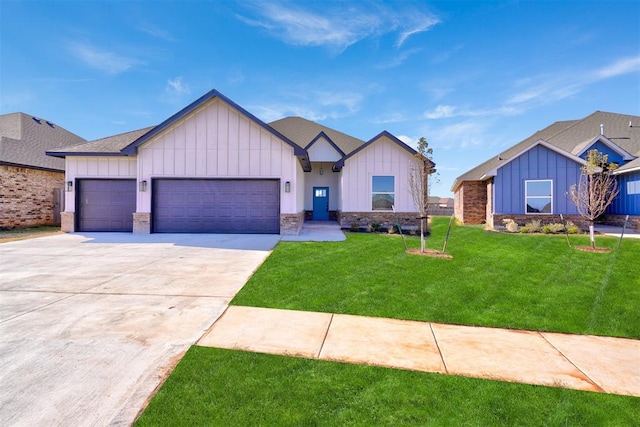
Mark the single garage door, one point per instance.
(216, 206)
(106, 204)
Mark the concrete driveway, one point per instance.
(90, 324)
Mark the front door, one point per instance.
(320, 203)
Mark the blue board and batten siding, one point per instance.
(612, 156)
(537, 163)
(626, 203)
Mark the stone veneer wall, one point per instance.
(634, 221)
(141, 223)
(68, 222)
(470, 202)
(385, 219)
(291, 223)
(522, 219)
(27, 196)
(308, 215)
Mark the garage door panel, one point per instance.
(106, 205)
(216, 206)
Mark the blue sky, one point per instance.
(472, 77)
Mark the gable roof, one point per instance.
(303, 132)
(132, 148)
(567, 136)
(340, 163)
(24, 139)
(329, 140)
(126, 144)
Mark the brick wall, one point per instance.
(26, 196)
(470, 202)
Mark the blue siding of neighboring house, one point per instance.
(612, 156)
(537, 163)
(624, 203)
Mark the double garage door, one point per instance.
(216, 206)
(183, 205)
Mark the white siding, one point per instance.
(322, 151)
(382, 157)
(96, 167)
(216, 141)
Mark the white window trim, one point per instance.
(371, 192)
(526, 197)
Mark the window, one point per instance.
(382, 193)
(633, 187)
(320, 192)
(538, 196)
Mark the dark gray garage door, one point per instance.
(106, 204)
(216, 206)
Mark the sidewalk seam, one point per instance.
(433, 333)
(324, 339)
(602, 390)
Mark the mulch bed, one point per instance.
(595, 250)
(430, 253)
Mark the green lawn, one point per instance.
(518, 281)
(494, 279)
(232, 388)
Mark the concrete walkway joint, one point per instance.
(581, 362)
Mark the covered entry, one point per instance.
(216, 206)
(105, 204)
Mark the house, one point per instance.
(30, 181)
(532, 179)
(213, 167)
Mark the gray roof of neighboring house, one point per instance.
(24, 139)
(303, 131)
(111, 145)
(569, 135)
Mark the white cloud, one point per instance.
(336, 25)
(155, 31)
(100, 59)
(618, 68)
(440, 112)
(449, 111)
(399, 59)
(176, 87)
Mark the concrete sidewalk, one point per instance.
(581, 362)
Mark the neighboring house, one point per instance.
(213, 167)
(532, 179)
(30, 182)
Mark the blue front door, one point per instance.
(320, 203)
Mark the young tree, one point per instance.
(595, 190)
(420, 184)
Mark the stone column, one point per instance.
(68, 222)
(141, 223)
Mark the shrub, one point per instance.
(524, 229)
(354, 227)
(572, 228)
(511, 225)
(534, 226)
(374, 227)
(393, 229)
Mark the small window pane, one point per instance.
(321, 192)
(539, 205)
(383, 184)
(382, 202)
(539, 188)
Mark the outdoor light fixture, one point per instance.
(321, 171)
(287, 187)
(142, 185)
(69, 186)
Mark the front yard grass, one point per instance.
(233, 388)
(533, 282)
(500, 280)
